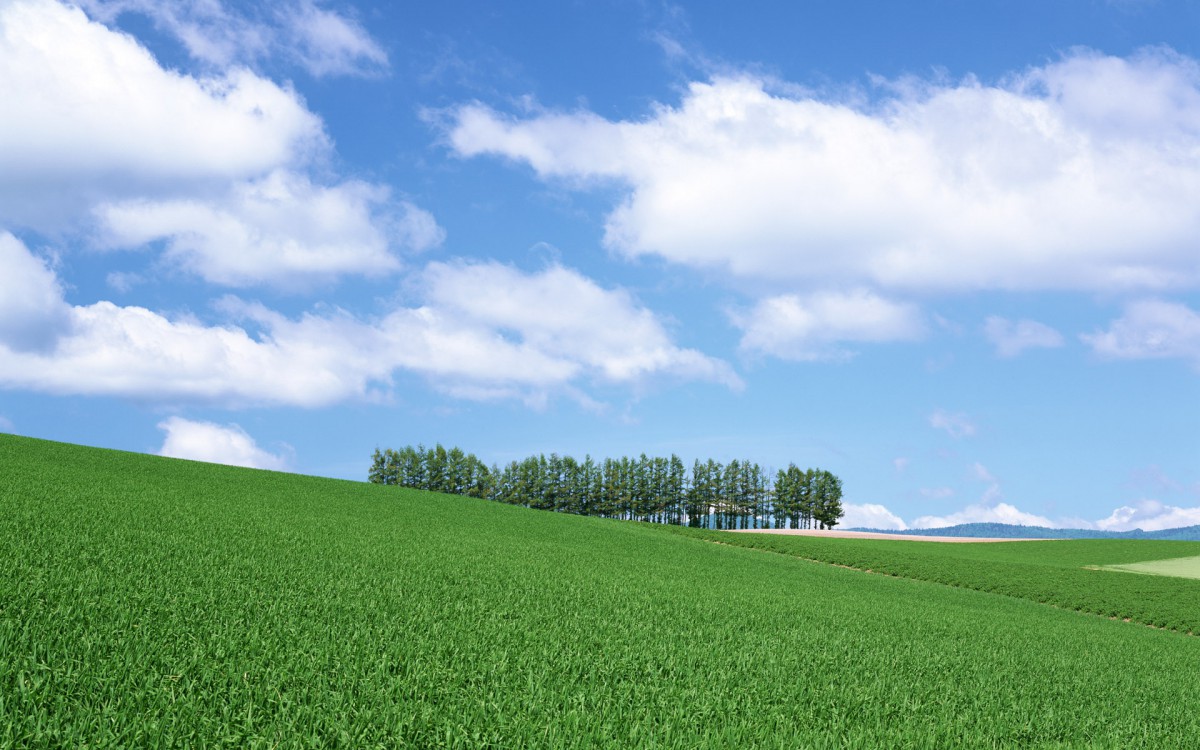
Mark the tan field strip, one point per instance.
(1176, 567)
(835, 534)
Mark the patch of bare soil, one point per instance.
(834, 533)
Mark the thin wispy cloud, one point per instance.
(956, 425)
(1012, 338)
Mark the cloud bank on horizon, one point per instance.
(182, 227)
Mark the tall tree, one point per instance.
(828, 505)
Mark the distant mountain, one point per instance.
(1010, 531)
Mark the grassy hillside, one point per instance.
(150, 602)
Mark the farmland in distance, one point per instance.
(153, 602)
(1075, 574)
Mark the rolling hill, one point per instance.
(152, 602)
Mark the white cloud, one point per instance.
(206, 28)
(901, 463)
(559, 311)
(32, 311)
(1075, 175)
(984, 513)
(1010, 339)
(108, 143)
(1150, 329)
(327, 43)
(957, 425)
(93, 116)
(870, 516)
(982, 474)
(811, 327)
(1149, 515)
(6, 424)
(220, 444)
(486, 331)
(322, 41)
(277, 229)
(137, 353)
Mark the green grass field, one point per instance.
(149, 602)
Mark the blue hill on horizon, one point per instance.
(1012, 531)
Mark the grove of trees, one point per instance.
(736, 495)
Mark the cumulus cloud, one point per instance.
(956, 425)
(277, 229)
(32, 311)
(984, 513)
(1074, 175)
(322, 41)
(107, 144)
(485, 331)
(812, 327)
(870, 516)
(1010, 339)
(1150, 329)
(214, 443)
(94, 116)
(1149, 515)
(562, 312)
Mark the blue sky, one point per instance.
(948, 252)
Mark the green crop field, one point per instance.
(1077, 574)
(149, 602)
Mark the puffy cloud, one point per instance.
(219, 444)
(1010, 339)
(213, 168)
(1150, 329)
(811, 327)
(957, 425)
(32, 311)
(322, 41)
(870, 516)
(1149, 515)
(277, 229)
(486, 331)
(1075, 175)
(561, 312)
(984, 513)
(137, 353)
(94, 116)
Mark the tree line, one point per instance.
(736, 495)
